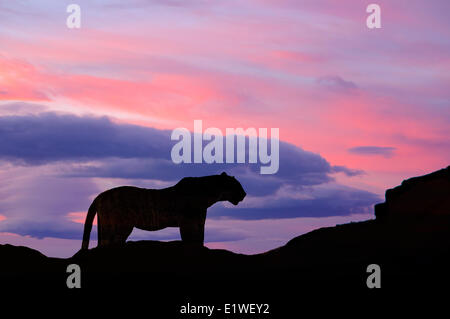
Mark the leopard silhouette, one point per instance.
(183, 205)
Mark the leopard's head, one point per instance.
(232, 190)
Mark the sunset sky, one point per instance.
(84, 110)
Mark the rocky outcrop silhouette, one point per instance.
(423, 197)
(412, 250)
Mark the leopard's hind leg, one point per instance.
(112, 231)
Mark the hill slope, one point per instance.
(412, 251)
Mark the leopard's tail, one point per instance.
(88, 224)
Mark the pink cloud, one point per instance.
(79, 217)
(19, 81)
(314, 113)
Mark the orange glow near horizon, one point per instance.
(79, 217)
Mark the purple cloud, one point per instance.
(336, 83)
(373, 150)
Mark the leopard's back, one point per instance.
(144, 207)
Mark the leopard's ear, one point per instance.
(223, 174)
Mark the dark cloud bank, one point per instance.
(84, 147)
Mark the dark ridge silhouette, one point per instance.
(411, 249)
